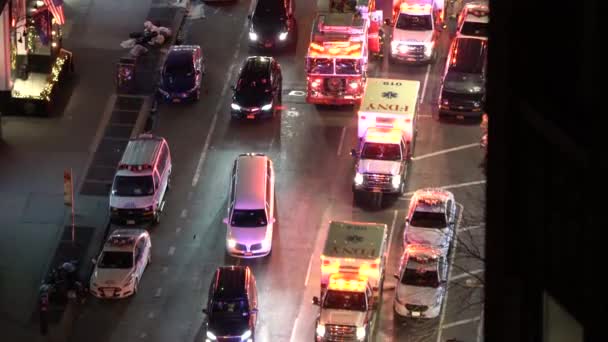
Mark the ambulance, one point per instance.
(389, 103)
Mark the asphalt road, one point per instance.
(310, 148)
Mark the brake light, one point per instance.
(369, 269)
(329, 267)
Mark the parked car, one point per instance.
(182, 73)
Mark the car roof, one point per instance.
(256, 66)
(230, 282)
(472, 52)
(431, 199)
(123, 240)
(250, 183)
(271, 6)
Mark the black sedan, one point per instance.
(272, 24)
(182, 73)
(258, 89)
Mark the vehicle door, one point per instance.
(138, 253)
(163, 171)
(405, 152)
(158, 192)
(443, 275)
(231, 191)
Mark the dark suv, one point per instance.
(272, 24)
(257, 92)
(232, 305)
(181, 74)
(463, 84)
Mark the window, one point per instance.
(249, 218)
(428, 219)
(123, 260)
(133, 186)
(379, 151)
(414, 22)
(162, 159)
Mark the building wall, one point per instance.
(545, 236)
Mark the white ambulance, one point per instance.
(389, 103)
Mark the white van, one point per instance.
(251, 213)
(141, 181)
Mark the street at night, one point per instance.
(310, 146)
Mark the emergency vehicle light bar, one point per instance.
(336, 49)
(341, 283)
(121, 240)
(423, 253)
(418, 8)
(135, 167)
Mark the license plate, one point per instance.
(250, 116)
(461, 117)
(415, 314)
(268, 45)
(130, 221)
(176, 100)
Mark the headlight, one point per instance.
(320, 330)
(358, 178)
(282, 35)
(235, 106)
(475, 89)
(396, 181)
(211, 336)
(360, 333)
(246, 335)
(267, 106)
(476, 104)
(253, 36)
(231, 243)
(428, 48)
(445, 102)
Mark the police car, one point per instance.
(431, 219)
(474, 21)
(121, 264)
(421, 282)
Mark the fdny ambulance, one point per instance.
(389, 103)
(417, 25)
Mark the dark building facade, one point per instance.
(546, 240)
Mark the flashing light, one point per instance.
(416, 8)
(336, 49)
(253, 36)
(354, 85)
(135, 167)
(267, 106)
(328, 266)
(282, 36)
(358, 179)
(320, 330)
(246, 335)
(371, 269)
(211, 336)
(384, 135)
(360, 333)
(316, 83)
(339, 283)
(235, 106)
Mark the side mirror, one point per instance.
(387, 21)
(205, 311)
(233, 88)
(354, 153)
(249, 16)
(225, 220)
(315, 300)
(396, 276)
(254, 311)
(94, 261)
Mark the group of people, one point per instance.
(152, 35)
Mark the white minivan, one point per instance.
(141, 181)
(251, 212)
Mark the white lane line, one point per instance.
(151, 315)
(158, 292)
(171, 250)
(425, 83)
(451, 262)
(465, 229)
(341, 141)
(390, 236)
(466, 274)
(178, 230)
(295, 328)
(308, 272)
(449, 186)
(480, 327)
(461, 322)
(457, 148)
(184, 213)
(165, 269)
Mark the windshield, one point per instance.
(348, 66)
(470, 28)
(414, 22)
(381, 151)
(320, 66)
(425, 219)
(237, 308)
(424, 277)
(270, 9)
(115, 260)
(344, 300)
(249, 218)
(133, 186)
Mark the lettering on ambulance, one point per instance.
(362, 252)
(398, 84)
(391, 107)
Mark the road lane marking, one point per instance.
(457, 148)
(293, 332)
(390, 236)
(171, 250)
(425, 83)
(451, 262)
(461, 322)
(158, 292)
(178, 230)
(151, 315)
(480, 326)
(341, 141)
(308, 272)
(406, 195)
(465, 229)
(184, 213)
(466, 274)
